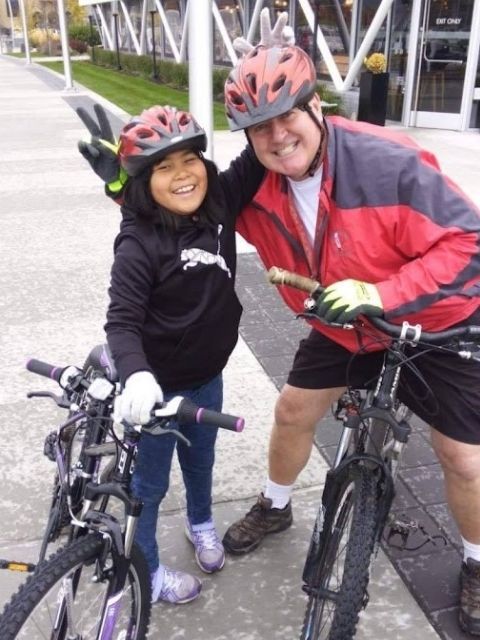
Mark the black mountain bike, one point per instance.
(97, 587)
(360, 486)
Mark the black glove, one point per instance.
(101, 151)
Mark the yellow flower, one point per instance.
(376, 63)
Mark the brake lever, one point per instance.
(60, 401)
(313, 316)
(159, 430)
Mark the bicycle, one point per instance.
(98, 585)
(88, 395)
(360, 486)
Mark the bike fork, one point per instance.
(344, 443)
(110, 615)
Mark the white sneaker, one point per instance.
(176, 587)
(209, 551)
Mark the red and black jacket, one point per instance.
(386, 215)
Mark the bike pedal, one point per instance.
(49, 446)
(13, 565)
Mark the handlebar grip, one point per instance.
(44, 369)
(276, 275)
(190, 412)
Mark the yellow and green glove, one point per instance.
(101, 149)
(343, 301)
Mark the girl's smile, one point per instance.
(179, 182)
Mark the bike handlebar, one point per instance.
(408, 333)
(70, 378)
(44, 369)
(187, 412)
(429, 337)
(182, 409)
(276, 275)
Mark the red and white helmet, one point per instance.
(266, 83)
(155, 133)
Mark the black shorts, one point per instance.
(444, 391)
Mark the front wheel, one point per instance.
(66, 596)
(338, 584)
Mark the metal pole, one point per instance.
(115, 26)
(353, 32)
(200, 56)
(92, 40)
(315, 32)
(253, 22)
(12, 31)
(154, 57)
(143, 28)
(342, 26)
(45, 26)
(62, 23)
(25, 32)
(117, 46)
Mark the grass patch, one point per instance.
(131, 93)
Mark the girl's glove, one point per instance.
(138, 398)
(281, 34)
(101, 148)
(345, 300)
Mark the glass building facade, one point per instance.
(431, 46)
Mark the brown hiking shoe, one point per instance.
(469, 613)
(246, 534)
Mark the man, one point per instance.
(369, 215)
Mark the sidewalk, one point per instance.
(57, 236)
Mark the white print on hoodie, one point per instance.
(195, 256)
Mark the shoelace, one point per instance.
(171, 581)
(207, 539)
(255, 517)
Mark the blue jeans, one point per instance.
(152, 470)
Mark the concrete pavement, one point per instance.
(57, 234)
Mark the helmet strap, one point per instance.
(318, 155)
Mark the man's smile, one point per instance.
(286, 150)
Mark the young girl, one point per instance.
(173, 317)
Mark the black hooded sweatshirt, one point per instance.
(173, 308)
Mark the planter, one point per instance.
(372, 104)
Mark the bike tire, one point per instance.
(32, 611)
(343, 564)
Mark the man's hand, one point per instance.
(281, 34)
(101, 150)
(343, 301)
(138, 398)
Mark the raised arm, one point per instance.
(100, 149)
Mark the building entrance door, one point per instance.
(441, 61)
